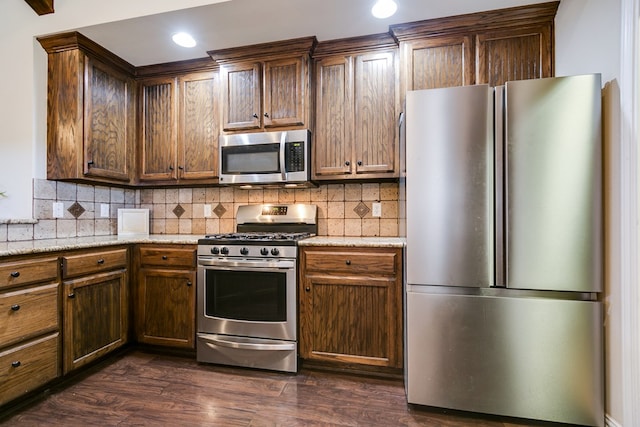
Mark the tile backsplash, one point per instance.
(343, 209)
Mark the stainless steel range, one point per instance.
(247, 288)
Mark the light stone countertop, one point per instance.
(55, 245)
(363, 242)
(26, 247)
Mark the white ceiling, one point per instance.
(147, 40)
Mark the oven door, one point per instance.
(247, 298)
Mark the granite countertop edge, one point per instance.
(373, 242)
(26, 247)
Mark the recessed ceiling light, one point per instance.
(183, 39)
(384, 8)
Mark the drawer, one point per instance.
(93, 262)
(28, 312)
(356, 262)
(168, 257)
(28, 366)
(28, 271)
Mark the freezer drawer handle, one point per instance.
(250, 346)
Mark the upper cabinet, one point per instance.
(91, 112)
(356, 104)
(179, 128)
(480, 48)
(265, 85)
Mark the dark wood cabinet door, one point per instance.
(284, 92)
(349, 320)
(158, 129)
(437, 62)
(166, 307)
(242, 107)
(109, 111)
(95, 317)
(514, 54)
(332, 149)
(351, 306)
(198, 126)
(375, 114)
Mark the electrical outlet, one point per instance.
(58, 209)
(207, 211)
(104, 210)
(376, 209)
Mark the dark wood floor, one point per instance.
(140, 389)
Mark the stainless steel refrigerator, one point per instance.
(504, 260)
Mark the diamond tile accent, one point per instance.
(178, 210)
(76, 209)
(219, 210)
(361, 209)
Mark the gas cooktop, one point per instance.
(255, 238)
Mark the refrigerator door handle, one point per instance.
(500, 183)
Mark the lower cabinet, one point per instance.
(351, 306)
(166, 296)
(95, 305)
(29, 324)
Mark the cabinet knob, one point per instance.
(72, 295)
(255, 116)
(347, 163)
(307, 289)
(170, 167)
(359, 162)
(101, 261)
(15, 307)
(348, 262)
(164, 257)
(15, 274)
(266, 115)
(16, 363)
(90, 163)
(189, 283)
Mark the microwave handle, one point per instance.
(283, 170)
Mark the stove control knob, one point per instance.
(215, 250)
(275, 251)
(264, 251)
(244, 251)
(224, 251)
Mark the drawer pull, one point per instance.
(164, 257)
(189, 283)
(72, 295)
(16, 363)
(15, 274)
(15, 307)
(101, 261)
(307, 289)
(348, 262)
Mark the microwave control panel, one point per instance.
(294, 156)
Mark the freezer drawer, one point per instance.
(527, 357)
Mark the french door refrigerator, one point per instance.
(504, 249)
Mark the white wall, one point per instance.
(23, 83)
(588, 40)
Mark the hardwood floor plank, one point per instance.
(140, 389)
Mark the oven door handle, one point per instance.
(279, 264)
(249, 346)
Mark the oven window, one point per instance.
(243, 295)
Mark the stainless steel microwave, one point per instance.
(266, 158)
